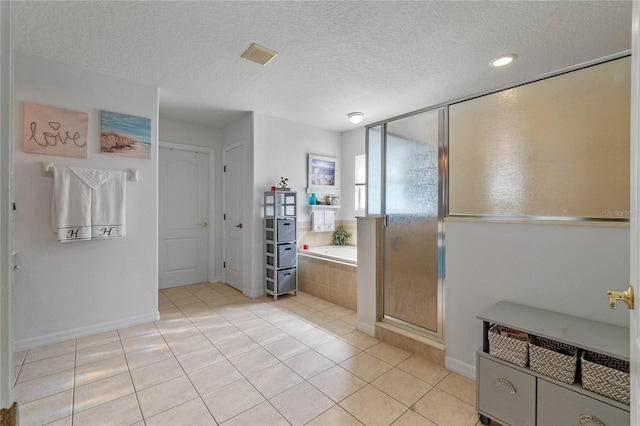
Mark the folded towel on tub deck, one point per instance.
(88, 203)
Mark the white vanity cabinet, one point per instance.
(517, 396)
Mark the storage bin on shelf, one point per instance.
(605, 375)
(553, 359)
(509, 345)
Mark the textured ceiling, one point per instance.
(382, 58)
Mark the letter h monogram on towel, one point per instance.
(88, 203)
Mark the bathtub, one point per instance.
(346, 254)
(330, 273)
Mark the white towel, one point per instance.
(329, 220)
(88, 203)
(317, 221)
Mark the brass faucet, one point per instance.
(626, 296)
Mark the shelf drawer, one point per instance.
(287, 255)
(286, 280)
(506, 394)
(286, 230)
(558, 406)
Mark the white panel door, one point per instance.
(233, 178)
(183, 217)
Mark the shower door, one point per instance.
(413, 208)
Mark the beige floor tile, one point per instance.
(214, 377)
(338, 327)
(164, 396)
(251, 324)
(366, 366)
(156, 373)
(50, 351)
(19, 357)
(231, 400)
(188, 344)
(402, 386)
(274, 380)
(45, 367)
(98, 353)
(253, 361)
(337, 383)
(97, 339)
(193, 412)
(262, 414)
(121, 411)
(269, 334)
(338, 311)
(373, 407)
(389, 353)
(236, 346)
(360, 340)
(309, 363)
(199, 359)
(46, 410)
(143, 343)
(313, 337)
(444, 409)
(142, 330)
(351, 319)
(141, 357)
(48, 385)
(337, 350)
(293, 326)
(319, 318)
(101, 391)
(286, 347)
(460, 387)
(411, 418)
(301, 403)
(423, 369)
(335, 416)
(65, 421)
(100, 370)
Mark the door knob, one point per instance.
(626, 296)
(204, 224)
(239, 226)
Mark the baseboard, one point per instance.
(366, 328)
(61, 336)
(460, 367)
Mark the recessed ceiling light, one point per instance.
(503, 60)
(259, 54)
(355, 117)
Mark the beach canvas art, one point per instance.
(55, 131)
(126, 135)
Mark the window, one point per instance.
(361, 184)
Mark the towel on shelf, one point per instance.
(330, 220)
(88, 203)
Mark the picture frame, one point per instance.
(322, 173)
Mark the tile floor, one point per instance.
(218, 357)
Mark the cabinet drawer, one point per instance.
(506, 394)
(564, 407)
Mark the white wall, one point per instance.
(67, 290)
(555, 267)
(353, 143)
(281, 148)
(6, 344)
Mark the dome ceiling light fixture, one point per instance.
(503, 60)
(355, 117)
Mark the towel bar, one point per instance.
(47, 170)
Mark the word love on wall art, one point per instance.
(55, 131)
(124, 134)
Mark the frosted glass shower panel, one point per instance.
(412, 210)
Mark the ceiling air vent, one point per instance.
(258, 54)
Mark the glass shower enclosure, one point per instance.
(407, 176)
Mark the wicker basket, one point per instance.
(508, 348)
(606, 375)
(553, 359)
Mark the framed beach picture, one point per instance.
(322, 172)
(123, 134)
(55, 131)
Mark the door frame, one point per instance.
(212, 195)
(225, 150)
